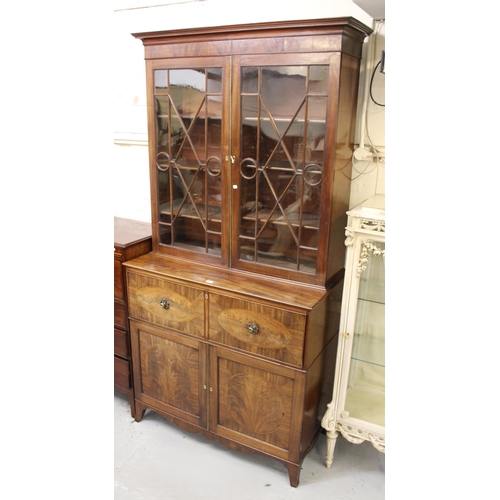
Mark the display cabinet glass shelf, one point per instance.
(357, 409)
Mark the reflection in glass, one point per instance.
(188, 109)
(282, 130)
(366, 387)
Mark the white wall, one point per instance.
(131, 189)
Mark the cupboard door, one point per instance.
(252, 402)
(189, 164)
(281, 114)
(169, 372)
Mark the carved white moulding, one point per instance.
(349, 237)
(373, 225)
(357, 435)
(368, 248)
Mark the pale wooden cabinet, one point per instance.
(234, 314)
(357, 409)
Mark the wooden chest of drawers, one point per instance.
(132, 239)
(231, 358)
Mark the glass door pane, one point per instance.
(282, 129)
(188, 112)
(365, 397)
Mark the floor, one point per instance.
(156, 460)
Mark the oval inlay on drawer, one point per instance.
(271, 333)
(180, 309)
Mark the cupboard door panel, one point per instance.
(255, 402)
(189, 168)
(282, 129)
(176, 307)
(169, 371)
(274, 333)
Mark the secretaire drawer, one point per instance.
(164, 303)
(271, 332)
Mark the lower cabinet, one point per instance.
(237, 370)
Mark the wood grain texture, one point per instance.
(169, 372)
(280, 333)
(121, 343)
(118, 275)
(185, 312)
(255, 402)
(120, 311)
(296, 296)
(122, 374)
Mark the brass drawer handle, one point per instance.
(253, 328)
(164, 303)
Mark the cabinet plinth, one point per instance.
(235, 313)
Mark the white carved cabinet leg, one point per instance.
(331, 441)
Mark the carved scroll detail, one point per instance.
(349, 237)
(356, 435)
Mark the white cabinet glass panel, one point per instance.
(357, 409)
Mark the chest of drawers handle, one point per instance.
(253, 328)
(164, 303)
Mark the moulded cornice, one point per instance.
(328, 25)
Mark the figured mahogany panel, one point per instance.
(171, 305)
(274, 333)
(255, 403)
(169, 372)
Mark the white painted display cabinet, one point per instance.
(357, 409)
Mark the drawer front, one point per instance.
(271, 332)
(122, 373)
(120, 314)
(121, 344)
(163, 303)
(119, 288)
